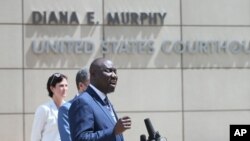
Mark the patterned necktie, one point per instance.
(108, 105)
(106, 101)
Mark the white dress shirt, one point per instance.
(45, 123)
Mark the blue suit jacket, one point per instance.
(90, 119)
(63, 121)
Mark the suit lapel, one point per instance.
(101, 104)
(103, 108)
(114, 112)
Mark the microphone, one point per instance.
(152, 135)
(150, 129)
(143, 137)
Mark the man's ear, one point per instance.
(92, 74)
(80, 84)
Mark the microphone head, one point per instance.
(150, 129)
(143, 137)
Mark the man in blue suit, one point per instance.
(82, 82)
(91, 115)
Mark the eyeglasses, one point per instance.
(55, 75)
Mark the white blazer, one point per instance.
(45, 123)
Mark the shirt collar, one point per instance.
(53, 104)
(99, 93)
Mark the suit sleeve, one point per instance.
(63, 124)
(83, 126)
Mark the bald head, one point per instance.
(96, 64)
(103, 75)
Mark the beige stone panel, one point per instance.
(80, 7)
(235, 40)
(168, 124)
(147, 90)
(214, 12)
(61, 46)
(221, 89)
(28, 125)
(170, 7)
(212, 126)
(10, 11)
(11, 46)
(11, 127)
(36, 87)
(11, 91)
(141, 47)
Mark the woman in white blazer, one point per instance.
(45, 126)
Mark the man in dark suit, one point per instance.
(91, 115)
(82, 82)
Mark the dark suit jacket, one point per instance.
(90, 119)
